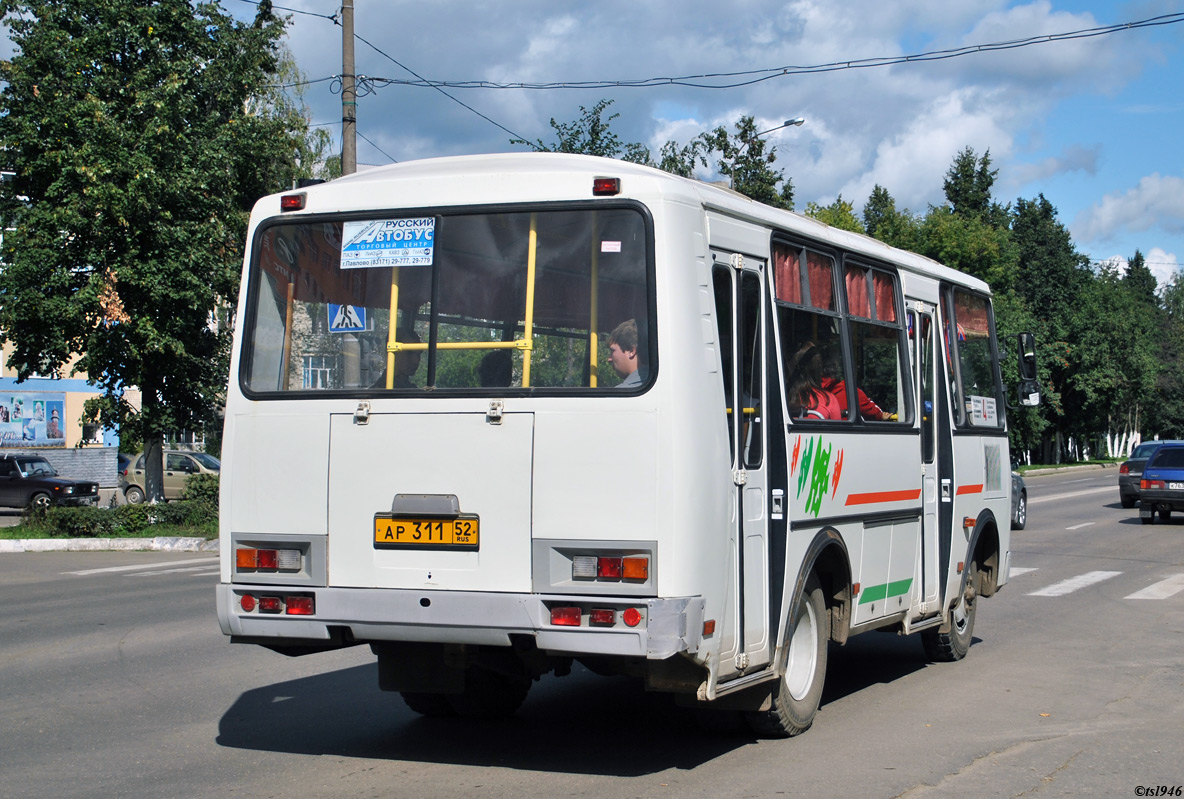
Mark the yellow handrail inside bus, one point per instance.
(392, 345)
(528, 331)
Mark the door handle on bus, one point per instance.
(362, 414)
(946, 490)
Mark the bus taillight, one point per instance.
(567, 616)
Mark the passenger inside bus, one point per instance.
(624, 356)
(807, 398)
(832, 381)
(496, 368)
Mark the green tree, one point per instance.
(591, 134)
(840, 214)
(743, 160)
(969, 245)
(1165, 411)
(884, 222)
(140, 133)
(1140, 280)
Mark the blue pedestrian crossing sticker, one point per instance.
(347, 318)
(375, 243)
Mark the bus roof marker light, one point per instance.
(606, 187)
(293, 202)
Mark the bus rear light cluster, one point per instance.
(574, 616)
(591, 567)
(267, 560)
(290, 605)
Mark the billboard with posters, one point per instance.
(32, 419)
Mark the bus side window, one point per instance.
(876, 343)
(721, 280)
(810, 337)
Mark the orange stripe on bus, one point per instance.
(883, 496)
(976, 489)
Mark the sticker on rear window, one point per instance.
(388, 242)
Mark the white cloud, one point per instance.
(1157, 202)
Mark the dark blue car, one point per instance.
(1161, 489)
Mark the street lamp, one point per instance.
(796, 122)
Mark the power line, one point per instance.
(769, 73)
(331, 17)
(437, 88)
(376, 147)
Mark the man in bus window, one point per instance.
(623, 354)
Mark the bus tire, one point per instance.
(433, 706)
(799, 691)
(953, 644)
(489, 695)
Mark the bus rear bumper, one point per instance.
(666, 627)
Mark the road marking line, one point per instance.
(1103, 490)
(204, 568)
(1161, 590)
(1017, 571)
(1075, 583)
(1079, 526)
(143, 566)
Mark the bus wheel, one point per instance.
(431, 705)
(946, 647)
(800, 690)
(489, 695)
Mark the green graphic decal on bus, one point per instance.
(816, 471)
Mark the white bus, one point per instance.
(493, 415)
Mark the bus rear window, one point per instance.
(520, 300)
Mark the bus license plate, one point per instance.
(392, 532)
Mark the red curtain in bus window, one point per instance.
(787, 277)
(857, 301)
(884, 286)
(819, 271)
(971, 313)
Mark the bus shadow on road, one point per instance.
(871, 659)
(582, 724)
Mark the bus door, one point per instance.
(739, 293)
(925, 354)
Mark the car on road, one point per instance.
(178, 467)
(1131, 471)
(1161, 488)
(30, 481)
(1019, 501)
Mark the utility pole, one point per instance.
(349, 92)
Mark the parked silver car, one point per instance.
(1019, 502)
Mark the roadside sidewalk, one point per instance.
(160, 544)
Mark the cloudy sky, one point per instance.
(1093, 122)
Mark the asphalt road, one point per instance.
(116, 681)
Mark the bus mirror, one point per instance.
(1027, 354)
(1029, 386)
(1029, 393)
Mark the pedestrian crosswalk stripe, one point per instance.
(140, 566)
(1161, 590)
(1075, 583)
(1017, 571)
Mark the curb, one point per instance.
(1062, 469)
(159, 544)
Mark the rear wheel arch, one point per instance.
(827, 559)
(984, 552)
